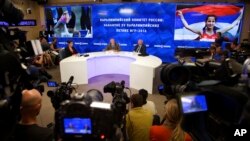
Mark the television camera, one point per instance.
(83, 116)
(120, 98)
(227, 103)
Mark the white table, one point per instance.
(140, 69)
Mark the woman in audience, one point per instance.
(53, 45)
(212, 51)
(218, 54)
(44, 43)
(43, 60)
(54, 51)
(171, 129)
(70, 50)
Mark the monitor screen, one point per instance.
(77, 126)
(52, 84)
(193, 103)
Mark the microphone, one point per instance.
(123, 84)
(70, 81)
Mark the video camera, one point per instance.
(61, 93)
(120, 98)
(82, 116)
(207, 104)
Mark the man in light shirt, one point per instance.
(150, 106)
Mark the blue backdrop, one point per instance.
(156, 23)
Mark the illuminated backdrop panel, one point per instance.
(159, 24)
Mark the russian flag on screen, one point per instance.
(196, 16)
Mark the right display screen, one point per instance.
(199, 24)
(193, 103)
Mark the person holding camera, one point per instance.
(171, 129)
(27, 129)
(138, 120)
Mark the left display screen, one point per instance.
(69, 21)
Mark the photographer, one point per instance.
(9, 61)
(27, 129)
(13, 76)
(11, 15)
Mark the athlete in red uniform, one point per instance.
(210, 30)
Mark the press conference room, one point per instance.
(124, 70)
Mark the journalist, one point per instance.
(171, 129)
(149, 105)
(138, 120)
(10, 14)
(27, 129)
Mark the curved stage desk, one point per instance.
(140, 69)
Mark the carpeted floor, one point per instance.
(46, 115)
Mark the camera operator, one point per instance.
(9, 62)
(27, 129)
(9, 14)
(138, 120)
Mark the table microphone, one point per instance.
(86, 55)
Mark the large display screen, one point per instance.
(159, 25)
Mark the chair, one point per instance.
(62, 54)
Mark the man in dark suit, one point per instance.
(140, 47)
(113, 45)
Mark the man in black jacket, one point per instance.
(140, 47)
(27, 129)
